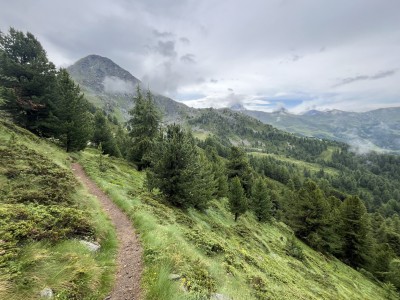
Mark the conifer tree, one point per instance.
(355, 232)
(394, 273)
(204, 185)
(144, 127)
(103, 134)
(238, 166)
(219, 171)
(122, 141)
(179, 171)
(237, 198)
(27, 77)
(74, 126)
(310, 218)
(261, 202)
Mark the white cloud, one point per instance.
(268, 52)
(114, 84)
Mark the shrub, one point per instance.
(293, 249)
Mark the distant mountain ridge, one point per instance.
(112, 88)
(373, 130)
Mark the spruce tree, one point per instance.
(355, 232)
(219, 171)
(237, 198)
(122, 141)
(179, 171)
(144, 126)
(309, 216)
(204, 185)
(74, 126)
(27, 77)
(261, 202)
(103, 134)
(394, 273)
(238, 166)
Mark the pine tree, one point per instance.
(355, 232)
(123, 141)
(238, 166)
(219, 171)
(27, 78)
(261, 202)
(310, 218)
(74, 127)
(179, 171)
(237, 198)
(103, 134)
(144, 127)
(204, 185)
(394, 273)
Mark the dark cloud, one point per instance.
(200, 80)
(188, 58)
(383, 74)
(185, 40)
(296, 57)
(163, 34)
(238, 43)
(213, 80)
(164, 79)
(376, 76)
(166, 48)
(235, 100)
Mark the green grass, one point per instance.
(44, 212)
(213, 254)
(201, 135)
(327, 154)
(313, 167)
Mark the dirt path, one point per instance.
(127, 284)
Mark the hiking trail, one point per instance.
(129, 257)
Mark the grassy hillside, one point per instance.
(192, 254)
(44, 213)
(313, 167)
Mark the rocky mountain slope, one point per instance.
(112, 88)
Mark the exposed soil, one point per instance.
(129, 259)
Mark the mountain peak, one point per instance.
(335, 112)
(312, 112)
(102, 75)
(281, 111)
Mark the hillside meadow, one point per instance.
(194, 255)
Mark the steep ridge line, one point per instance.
(129, 258)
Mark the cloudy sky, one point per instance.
(262, 54)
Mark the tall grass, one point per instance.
(31, 263)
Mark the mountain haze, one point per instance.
(377, 130)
